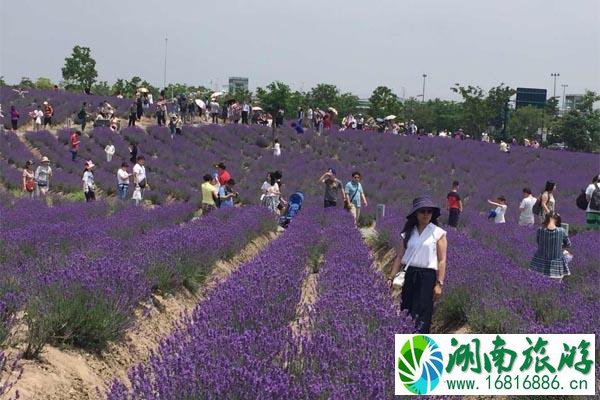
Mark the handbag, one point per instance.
(399, 278)
(137, 194)
(30, 185)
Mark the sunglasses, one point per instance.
(356, 177)
(425, 211)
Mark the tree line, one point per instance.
(478, 111)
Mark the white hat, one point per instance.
(45, 159)
(90, 164)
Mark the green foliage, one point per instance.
(44, 83)
(79, 71)
(276, 95)
(73, 316)
(101, 88)
(2, 81)
(346, 103)
(384, 102)
(26, 83)
(525, 121)
(579, 129)
(323, 96)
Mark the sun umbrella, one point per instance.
(333, 110)
(256, 109)
(143, 90)
(216, 94)
(390, 117)
(200, 103)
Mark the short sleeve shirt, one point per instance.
(140, 171)
(354, 192)
(588, 192)
(421, 250)
(500, 211)
(332, 188)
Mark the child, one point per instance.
(498, 213)
(173, 125)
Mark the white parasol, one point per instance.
(257, 108)
(333, 110)
(200, 103)
(216, 94)
(390, 118)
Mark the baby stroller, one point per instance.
(294, 205)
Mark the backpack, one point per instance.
(595, 200)
(537, 207)
(581, 201)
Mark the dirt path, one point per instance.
(75, 374)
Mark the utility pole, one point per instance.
(165, 68)
(423, 95)
(554, 75)
(564, 86)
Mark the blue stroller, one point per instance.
(294, 205)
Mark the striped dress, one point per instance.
(548, 258)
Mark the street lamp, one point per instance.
(564, 86)
(554, 75)
(423, 95)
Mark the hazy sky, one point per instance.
(356, 45)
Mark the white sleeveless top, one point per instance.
(426, 252)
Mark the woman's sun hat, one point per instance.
(45, 159)
(90, 164)
(424, 201)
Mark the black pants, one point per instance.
(14, 124)
(417, 295)
(160, 118)
(329, 203)
(47, 121)
(140, 112)
(245, 117)
(215, 118)
(90, 196)
(132, 118)
(83, 125)
(453, 217)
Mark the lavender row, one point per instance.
(348, 352)
(234, 344)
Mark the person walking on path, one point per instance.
(422, 253)
(551, 240)
(82, 116)
(43, 173)
(29, 178)
(526, 217)
(245, 112)
(37, 116)
(14, 118)
(333, 186)
(74, 139)
(48, 113)
(547, 201)
(454, 205)
(209, 194)
(140, 178)
(500, 211)
(132, 114)
(354, 195)
(227, 194)
(592, 212)
(88, 182)
(133, 152)
(123, 181)
(139, 107)
(110, 151)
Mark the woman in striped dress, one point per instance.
(551, 239)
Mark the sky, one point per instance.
(356, 45)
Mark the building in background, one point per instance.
(572, 101)
(237, 83)
(531, 97)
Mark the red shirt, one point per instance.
(74, 141)
(453, 200)
(224, 177)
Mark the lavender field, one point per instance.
(74, 273)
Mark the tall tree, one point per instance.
(26, 83)
(580, 128)
(79, 71)
(323, 96)
(276, 95)
(525, 121)
(384, 102)
(43, 83)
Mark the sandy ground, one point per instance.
(68, 373)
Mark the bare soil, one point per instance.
(69, 373)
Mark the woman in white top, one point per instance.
(88, 182)
(270, 196)
(526, 217)
(500, 210)
(422, 252)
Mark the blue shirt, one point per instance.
(354, 190)
(225, 202)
